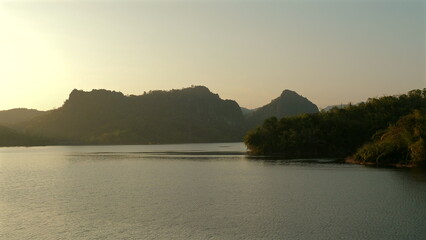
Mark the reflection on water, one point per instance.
(201, 191)
(417, 174)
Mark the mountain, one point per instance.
(187, 115)
(107, 117)
(288, 104)
(18, 115)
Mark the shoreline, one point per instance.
(351, 160)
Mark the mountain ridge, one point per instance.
(187, 115)
(177, 116)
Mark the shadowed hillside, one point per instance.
(18, 115)
(10, 137)
(177, 116)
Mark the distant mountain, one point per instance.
(328, 108)
(247, 111)
(18, 115)
(288, 104)
(106, 117)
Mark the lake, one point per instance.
(201, 191)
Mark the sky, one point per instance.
(332, 52)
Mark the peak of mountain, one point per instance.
(288, 92)
(95, 92)
(198, 89)
(96, 95)
(288, 104)
(108, 95)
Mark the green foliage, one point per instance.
(341, 131)
(400, 143)
(418, 152)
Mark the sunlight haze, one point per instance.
(328, 51)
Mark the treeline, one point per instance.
(10, 137)
(379, 125)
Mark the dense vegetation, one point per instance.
(10, 137)
(401, 143)
(340, 132)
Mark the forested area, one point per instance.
(386, 130)
(10, 137)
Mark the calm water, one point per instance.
(201, 191)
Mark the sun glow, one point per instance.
(28, 62)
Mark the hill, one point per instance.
(18, 115)
(107, 117)
(288, 104)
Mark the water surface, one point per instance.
(201, 191)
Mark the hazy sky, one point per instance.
(331, 52)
